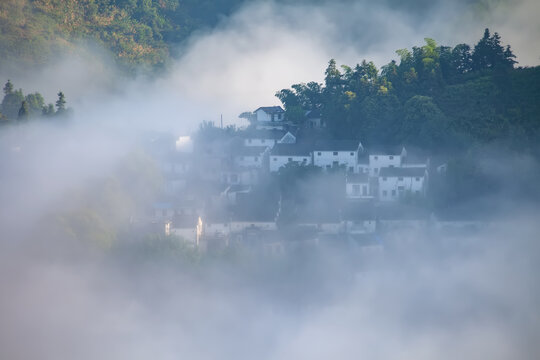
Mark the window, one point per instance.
(376, 170)
(275, 159)
(234, 178)
(376, 157)
(356, 189)
(391, 157)
(249, 141)
(384, 179)
(241, 158)
(393, 193)
(364, 190)
(384, 192)
(319, 153)
(328, 167)
(401, 188)
(335, 163)
(263, 141)
(417, 179)
(351, 168)
(304, 160)
(400, 179)
(289, 159)
(391, 166)
(335, 153)
(352, 154)
(256, 158)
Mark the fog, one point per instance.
(428, 294)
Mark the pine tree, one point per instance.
(61, 103)
(8, 88)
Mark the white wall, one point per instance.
(389, 189)
(327, 158)
(260, 142)
(249, 161)
(277, 161)
(376, 162)
(263, 116)
(363, 190)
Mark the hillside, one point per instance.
(137, 32)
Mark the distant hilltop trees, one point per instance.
(435, 97)
(17, 107)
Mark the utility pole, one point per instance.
(222, 121)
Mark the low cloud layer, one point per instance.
(428, 296)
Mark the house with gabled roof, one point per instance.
(334, 153)
(395, 182)
(250, 156)
(270, 117)
(385, 157)
(357, 187)
(283, 154)
(263, 137)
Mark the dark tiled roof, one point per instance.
(401, 172)
(271, 109)
(290, 150)
(336, 145)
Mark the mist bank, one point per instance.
(475, 292)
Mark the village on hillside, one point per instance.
(274, 181)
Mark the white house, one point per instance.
(270, 117)
(266, 137)
(386, 158)
(283, 154)
(395, 182)
(250, 156)
(357, 186)
(334, 153)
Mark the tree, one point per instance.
(61, 103)
(35, 103)
(249, 116)
(48, 110)
(489, 53)
(8, 88)
(12, 103)
(24, 111)
(424, 124)
(461, 59)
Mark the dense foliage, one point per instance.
(137, 32)
(15, 106)
(437, 98)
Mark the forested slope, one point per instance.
(137, 32)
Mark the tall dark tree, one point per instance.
(8, 88)
(489, 53)
(61, 103)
